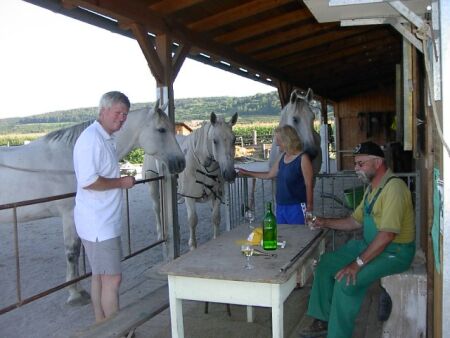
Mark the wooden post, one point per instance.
(165, 66)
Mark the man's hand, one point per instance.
(127, 182)
(349, 272)
(319, 222)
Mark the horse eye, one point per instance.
(215, 142)
(234, 139)
(161, 130)
(295, 120)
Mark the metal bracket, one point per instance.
(423, 30)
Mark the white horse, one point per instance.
(209, 153)
(298, 114)
(44, 168)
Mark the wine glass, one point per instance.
(247, 250)
(249, 216)
(310, 219)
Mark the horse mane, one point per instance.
(67, 135)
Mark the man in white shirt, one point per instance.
(98, 203)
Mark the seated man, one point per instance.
(342, 277)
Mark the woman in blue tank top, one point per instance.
(294, 173)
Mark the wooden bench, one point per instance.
(130, 317)
(408, 291)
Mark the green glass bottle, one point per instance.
(269, 229)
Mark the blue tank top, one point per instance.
(291, 188)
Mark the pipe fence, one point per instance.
(20, 301)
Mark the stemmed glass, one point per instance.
(247, 250)
(249, 216)
(310, 220)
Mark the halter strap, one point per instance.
(196, 143)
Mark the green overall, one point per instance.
(338, 303)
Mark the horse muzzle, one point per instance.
(176, 164)
(229, 175)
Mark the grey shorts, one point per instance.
(105, 256)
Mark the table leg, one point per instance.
(250, 314)
(176, 313)
(277, 315)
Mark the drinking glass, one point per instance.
(310, 219)
(249, 216)
(247, 250)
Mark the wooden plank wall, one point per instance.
(352, 116)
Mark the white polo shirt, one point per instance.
(97, 214)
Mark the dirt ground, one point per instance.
(42, 265)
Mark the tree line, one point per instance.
(250, 108)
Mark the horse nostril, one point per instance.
(229, 175)
(177, 165)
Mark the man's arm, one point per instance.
(382, 239)
(346, 223)
(103, 183)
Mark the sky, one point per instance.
(50, 62)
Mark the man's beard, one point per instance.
(366, 178)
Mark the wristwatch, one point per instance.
(359, 261)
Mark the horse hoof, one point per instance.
(79, 299)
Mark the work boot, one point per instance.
(318, 328)
(384, 305)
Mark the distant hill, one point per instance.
(250, 108)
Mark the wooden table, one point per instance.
(214, 273)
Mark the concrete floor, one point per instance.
(218, 324)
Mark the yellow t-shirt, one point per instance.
(393, 210)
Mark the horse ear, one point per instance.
(213, 118)
(164, 107)
(309, 95)
(234, 119)
(293, 96)
(156, 105)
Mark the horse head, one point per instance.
(153, 131)
(222, 143)
(298, 114)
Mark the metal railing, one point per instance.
(335, 195)
(331, 199)
(14, 206)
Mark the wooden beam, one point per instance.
(340, 46)
(299, 46)
(284, 92)
(148, 49)
(367, 49)
(163, 44)
(235, 13)
(139, 13)
(171, 6)
(348, 69)
(264, 27)
(121, 11)
(284, 36)
(178, 59)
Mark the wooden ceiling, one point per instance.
(271, 41)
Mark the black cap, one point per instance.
(368, 148)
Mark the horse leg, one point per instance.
(72, 243)
(216, 216)
(155, 197)
(192, 221)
